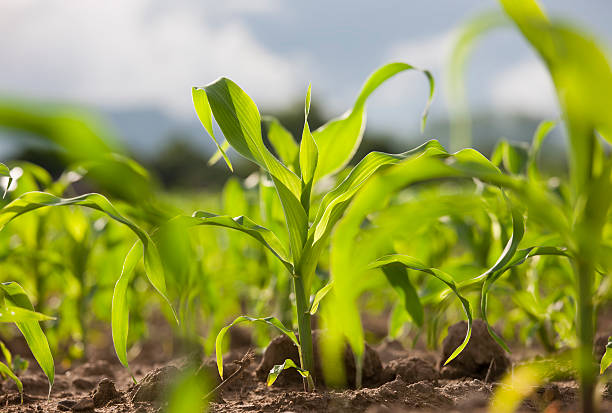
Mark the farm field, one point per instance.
(320, 275)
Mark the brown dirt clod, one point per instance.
(84, 405)
(282, 348)
(410, 369)
(105, 392)
(153, 386)
(480, 355)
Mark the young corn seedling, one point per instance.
(320, 153)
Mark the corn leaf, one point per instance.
(12, 314)
(120, 313)
(414, 264)
(4, 369)
(319, 296)
(5, 171)
(606, 360)
(339, 139)
(204, 112)
(539, 136)
(517, 259)
(15, 296)
(243, 224)
(34, 200)
(359, 175)
(239, 119)
(279, 368)
(282, 141)
(398, 278)
(272, 321)
(308, 157)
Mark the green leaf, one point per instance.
(282, 140)
(398, 278)
(539, 136)
(12, 314)
(219, 154)
(34, 200)
(308, 157)
(513, 155)
(319, 296)
(203, 110)
(490, 276)
(339, 139)
(4, 369)
(239, 119)
(7, 354)
(246, 225)
(606, 360)
(581, 74)
(5, 171)
(414, 264)
(344, 192)
(272, 321)
(279, 368)
(15, 295)
(120, 313)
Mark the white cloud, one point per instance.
(525, 88)
(428, 53)
(139, 52)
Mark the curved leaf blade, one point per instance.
(34, 200)
(279, 368)
(414, 264)
(4, 369)
(339, 139)
(15, 295)
(272, 321)
(120, 312)
(204, 112)
(606, 360)
(243, 224)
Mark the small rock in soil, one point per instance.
(84, 405)
(410, 369)
(282, 348)
(481, 353)
(105, 392)
(154, 384)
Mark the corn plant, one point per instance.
(583, 80)
(320, 153)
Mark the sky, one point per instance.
(118, 55)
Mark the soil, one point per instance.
(396, 380)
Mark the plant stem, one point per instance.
(585, 328)
(304, 331)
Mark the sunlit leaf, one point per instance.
(414, 264)
(279, 368)
(272, 321)
(338, 139)
(120, 313)
(15, 296)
